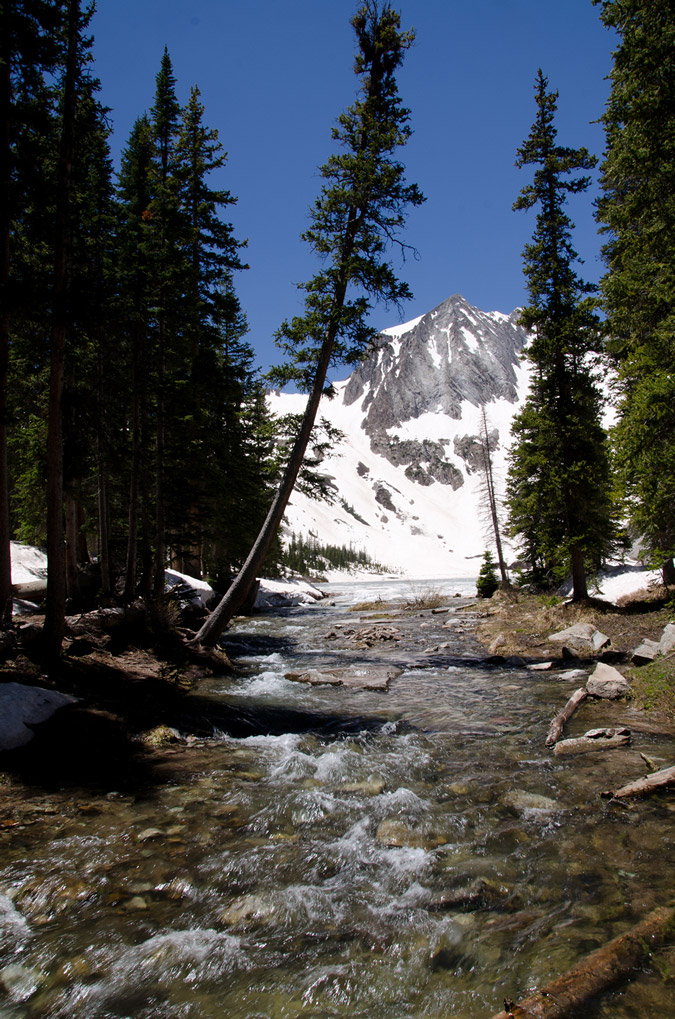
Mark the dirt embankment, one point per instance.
(517, 623)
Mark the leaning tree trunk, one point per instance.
(237, 593)
(492, 498)
(54, 626)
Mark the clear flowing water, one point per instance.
(414, 852)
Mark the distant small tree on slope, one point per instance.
(487, 582)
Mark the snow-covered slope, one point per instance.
(404, 480)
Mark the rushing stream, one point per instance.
(387, 854)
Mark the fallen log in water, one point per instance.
(657, 780)
(594, 739)
(557, 725)
(597, 972)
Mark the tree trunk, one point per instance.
(132, 536)
(104, 529)
(160, 522)
(5, 267)
(71, 545)
(579, 588)
(556, 726)
(54, 626)
(657, 780)
(570, 994)
(489, 481)
(236, 595)
(668, 572)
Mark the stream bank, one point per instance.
(300, 850)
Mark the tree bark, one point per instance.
(592, 741)
(598, 972)
(54, 626)
(579, 587)
(489, 481)
(5, 269)
(556, 727)
(642, 786)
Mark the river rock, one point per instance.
(20, 982)
(667, 642)
(581, 637)
(607, 682)
(252, 908)
(398, 835)
(646, 652)
(521, 800)
(540, 667)
(372, 786)
(572, 675)
(21, 707)
(355, 677)
(499, 641)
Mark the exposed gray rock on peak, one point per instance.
(454, 353)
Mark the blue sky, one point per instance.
(274, 76)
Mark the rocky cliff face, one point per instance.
(452, 354)
(406, 481)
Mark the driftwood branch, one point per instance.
(657, 780)
(597, 972)
(557, 725)
(594, 739)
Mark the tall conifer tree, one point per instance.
(28, 52)
(558, 486)
(637, 210)
(361, 207)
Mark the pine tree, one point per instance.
(487, 582)
(361, 207)
(133, 321)
(637, 211)
(75, 55)
(558, 485)
(29, 53)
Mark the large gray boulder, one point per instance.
(667, 642)
(581, 637)
(607, 682)
(24, 706)
(646, 652)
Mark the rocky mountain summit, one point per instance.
(406, 480)
(450, 355)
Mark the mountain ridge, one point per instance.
(405, 482)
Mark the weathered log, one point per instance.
(594, 739)
(597, 972)
(557, 725)
(649, 784)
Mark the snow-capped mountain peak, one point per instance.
(405, 482)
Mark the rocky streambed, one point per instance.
(361, 820)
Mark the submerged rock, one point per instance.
(398, 835)
(520, 800)
(368, 677)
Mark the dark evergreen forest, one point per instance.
(134, 433)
